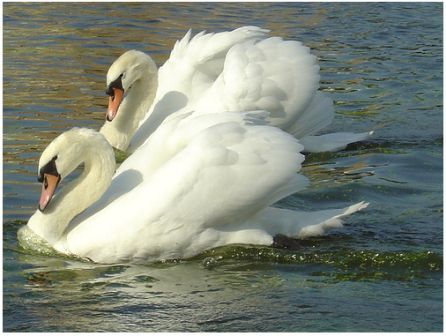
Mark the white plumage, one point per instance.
(200, 181)
(235, 71)
(208, 161)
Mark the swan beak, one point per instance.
(49, 186)
(113, 103)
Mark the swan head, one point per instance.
(64, 154)
(49, 177)
(127, 70)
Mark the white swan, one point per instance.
(240, 70)
(199, 182)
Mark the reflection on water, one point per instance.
(381, 63)
(224, 288)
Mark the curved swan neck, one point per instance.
(99, 165)
(135, 105)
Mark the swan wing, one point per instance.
(244, 70)
(279, 76)
(195, 62)
(172, 136)
(193, 66)
(199, 60)
(222, 175)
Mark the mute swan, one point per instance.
(209, 183)
(239, 70)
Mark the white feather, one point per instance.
(236, 71)
(199, 182)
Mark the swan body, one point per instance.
(239, 70)
(200, 181)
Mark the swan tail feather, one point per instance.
(333, 141)
(304, 224)
(318, 114)
(270, 222)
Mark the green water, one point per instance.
(382, 64)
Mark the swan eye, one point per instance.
(117, 84)
(49, 168)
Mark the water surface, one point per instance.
(381, 63)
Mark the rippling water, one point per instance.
(382, 64)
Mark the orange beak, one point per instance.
(49, 186)
(113, 103)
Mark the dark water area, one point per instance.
(382, 64)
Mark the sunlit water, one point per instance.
(380, 62)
